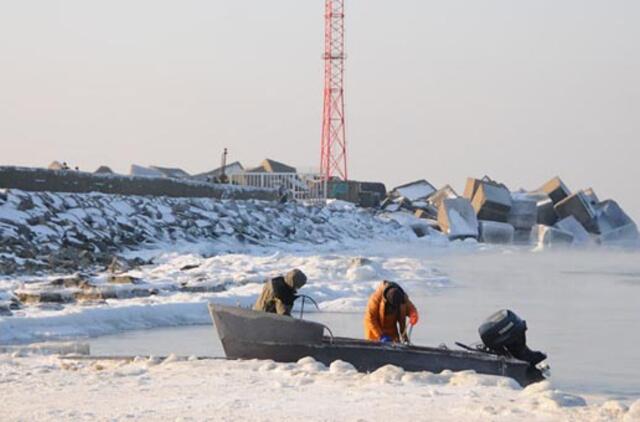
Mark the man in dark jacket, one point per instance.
(279, 293)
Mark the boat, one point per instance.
(249, 334)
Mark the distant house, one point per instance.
(229, 170)
(272, 166)
(57, 165)
(173, 173)
(104, 170)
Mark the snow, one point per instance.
(190, 389)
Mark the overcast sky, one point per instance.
(519, 90)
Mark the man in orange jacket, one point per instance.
(387, 311)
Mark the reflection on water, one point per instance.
(578, 310)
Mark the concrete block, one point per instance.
(627, 234)
(556, 189)
(546, 236)
(572, 225)
(470, 187)
(546, 213)
(457, 219)
(492, 201)
(610, 216)
(443, 193)
(579, 206)
(523, 213)
(522, 236)
(495, 232)
(414, 191)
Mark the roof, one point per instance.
(174, 173)
(137, 170)
(232, 168)
(272, 166)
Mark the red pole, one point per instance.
(333, 154)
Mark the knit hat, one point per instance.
(295, 279)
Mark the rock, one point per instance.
(45, 296)
(572, 225)
(556, 189)
(5, 310)
(546, 236)
(579, 206)
(118, 265)
(523, 213)
(457, 219)
(492, 201)
(189, 267)
(122, 279)
(496, 232)
(73, 281)
(26, 204)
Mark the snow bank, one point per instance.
(177, 389)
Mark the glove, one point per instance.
(385, 339)
(413, 318)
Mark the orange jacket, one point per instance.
(377, 323)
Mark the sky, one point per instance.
(518, 90)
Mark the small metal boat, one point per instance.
(248, 334)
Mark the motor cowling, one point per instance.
(503, 333)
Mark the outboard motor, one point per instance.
(503, 333)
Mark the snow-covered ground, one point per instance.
(581, 307)
(151, 389)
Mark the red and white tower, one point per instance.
(333, 154)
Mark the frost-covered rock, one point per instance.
(44, 231)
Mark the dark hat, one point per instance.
(394, 296)
(295, 279)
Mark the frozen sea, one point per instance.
(582, 306)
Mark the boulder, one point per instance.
(457, 219)
(556, 189)
(492, 201)
(579, 206)
(496, 232)
(572, 225)
(122, 279)
(523, 213)
(546, 236)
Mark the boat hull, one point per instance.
(247, 334)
